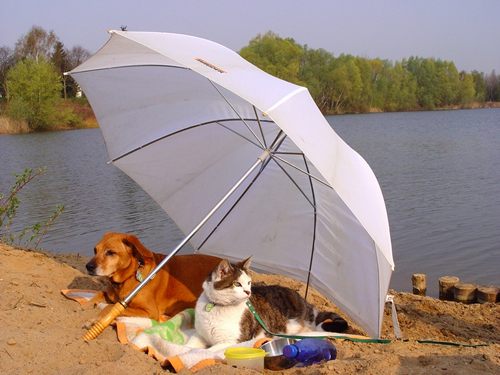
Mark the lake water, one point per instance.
(439, 173)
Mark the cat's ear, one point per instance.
(223, 269)
(245, 264)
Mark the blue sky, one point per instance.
(466, 32)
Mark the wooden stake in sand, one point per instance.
(465, 293)
(486, 294)
(419, 283)
(446, 287)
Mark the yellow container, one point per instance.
(245, 357)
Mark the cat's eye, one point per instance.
(236, 284)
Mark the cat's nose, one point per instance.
(247, 292)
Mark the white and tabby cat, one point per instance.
(222, 317)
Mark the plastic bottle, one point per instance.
(309, 351)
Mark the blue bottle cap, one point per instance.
(290, 351)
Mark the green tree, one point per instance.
(466, 92)
(316, 65)
(479, 85)
(33, 91)
(380, 80)
(401, 89)
(347, 85)
(354, 84)
(366, 97)
(448, 83)
(277, 56)
(60, 61)
(424, 71)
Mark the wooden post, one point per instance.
(487, 294)
(446, 286)
(465, 293)
(419, 284)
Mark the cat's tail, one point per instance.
(331, 322)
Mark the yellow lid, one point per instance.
(244, 353)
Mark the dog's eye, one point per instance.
(109, 253)
(236, 284)
(95, 251)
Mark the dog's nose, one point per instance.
(91, 266)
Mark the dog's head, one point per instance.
(117, 256)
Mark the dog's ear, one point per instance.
(139, 251)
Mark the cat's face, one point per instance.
(229, 284)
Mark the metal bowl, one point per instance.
(274, 359)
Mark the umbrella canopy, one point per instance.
(186, 117)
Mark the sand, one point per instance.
(41, 330)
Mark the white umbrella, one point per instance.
(190, 120)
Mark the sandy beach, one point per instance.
(41, 329)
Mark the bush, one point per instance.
(9, 204)
(67, 116)
(33, 92)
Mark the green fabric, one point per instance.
(450, 343)
(171, 330)
(353, 339)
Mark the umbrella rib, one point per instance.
(237, 113)
(262, 167)
(295, 183)
(174, 133)
(314, 228)
(126, 66)
(234, 205)
(240, 135)
(301, 170)
(289, 153)
(260, 126)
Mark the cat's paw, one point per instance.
(197, 342)
(221, 346)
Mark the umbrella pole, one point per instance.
(119, 307)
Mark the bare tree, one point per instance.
(35, 44)
(7, 60)
(492, 83)
(76, 56)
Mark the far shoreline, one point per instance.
(9, 126)
(471, 106)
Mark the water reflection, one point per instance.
(97, 196)
(440, 176)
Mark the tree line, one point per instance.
(34, 89)
(350, 84)
(32, 82)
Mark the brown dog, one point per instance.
(126, 261)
